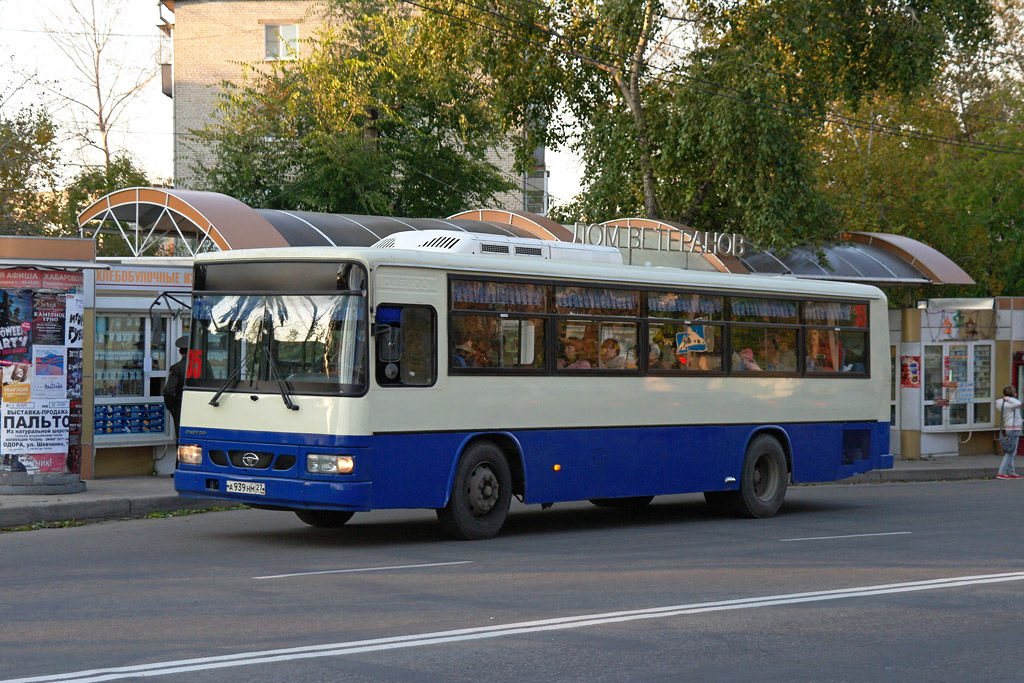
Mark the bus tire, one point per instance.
(481, 494)
(762, 481)
(324, 518)
(622, 503)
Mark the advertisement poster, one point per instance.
(75, 365)
(74, 461)
(50, 372)
(15, 325)
(36, 435)
(17, 383)
(74, 320)
(48, 318)
(910, 372)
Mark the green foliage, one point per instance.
(28, 169)
(185, 512)
(378, 119)
(953, 188)
(65, 524)
(94, 182)
(716, 120)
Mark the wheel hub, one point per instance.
(483, 490)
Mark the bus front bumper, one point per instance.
(293, 494)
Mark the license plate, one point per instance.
(250, 487)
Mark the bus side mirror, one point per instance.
(389, 343)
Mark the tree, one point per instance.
(28, 169)
(94, 182)
(703, 112)
(953, 178)
(102, 82)
(375, 120)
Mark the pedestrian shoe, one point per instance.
(1015, 476)
(1007, 476)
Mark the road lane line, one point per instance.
(495, 631)
(364, 569)
(824, 538)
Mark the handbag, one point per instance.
(1007, 441)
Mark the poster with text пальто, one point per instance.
(36, 434)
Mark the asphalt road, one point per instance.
(903, 582)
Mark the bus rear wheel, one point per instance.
(324, 518)
(763, 482)
(481, 494)
(622, 503)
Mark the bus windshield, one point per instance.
(314, 343)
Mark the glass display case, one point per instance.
(957, 386)
(131, 356)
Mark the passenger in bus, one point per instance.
(654, 355)
(610, 355)
(465, 356)
(745, 361)
(781, 358)
(569, 359)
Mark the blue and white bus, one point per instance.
(453, 371)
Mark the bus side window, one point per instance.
(406, 344)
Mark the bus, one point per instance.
(453, 371)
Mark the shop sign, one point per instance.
(142, 278)
(39, 279)
(658, 239)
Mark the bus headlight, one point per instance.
(190, 454)
(329, 464)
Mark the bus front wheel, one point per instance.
(763, 482)
(480, 496)
(324, 518)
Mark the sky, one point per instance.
(146, 129)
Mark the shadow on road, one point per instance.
(395, 527)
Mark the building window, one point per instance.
(281, 41)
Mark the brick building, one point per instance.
(213, 40)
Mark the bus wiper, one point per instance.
(215, 401)
(272, 364)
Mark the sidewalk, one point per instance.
(122, 498)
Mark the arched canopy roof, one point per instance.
(311, 229)
(165, 222)
(873, 258)
(171, 222)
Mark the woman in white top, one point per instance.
(1009, 431)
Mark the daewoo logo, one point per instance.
(250, 460)
(197, 432)
(414, 283)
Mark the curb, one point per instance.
(97, 510)
(897, 476)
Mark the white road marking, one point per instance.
(824, 538)
(364, 569)
(497, 631)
